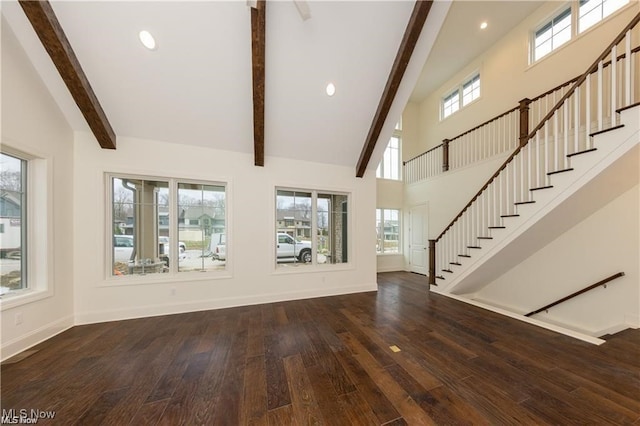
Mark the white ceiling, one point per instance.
(196, 88)
(461, 40)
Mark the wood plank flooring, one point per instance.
(327, 361)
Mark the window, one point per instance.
(13, 221)
(569, 22)
(553, 34)
(464, 94)
(389, 166)
(471, 90)
(143, 240)
(450, 104)
(311, 227)
(388, 231)
(593, 11)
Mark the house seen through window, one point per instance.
(143, 212)
(13, 221)
(311, 227)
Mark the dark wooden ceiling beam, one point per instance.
(49, 31)
(258, 21)
(409, 40)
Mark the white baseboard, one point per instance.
(205, 305)
(519, 317)
(391, 269)
(17, 345)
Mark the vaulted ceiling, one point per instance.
(195, 88)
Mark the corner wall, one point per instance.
(33, 123)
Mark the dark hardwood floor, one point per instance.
(328, 361)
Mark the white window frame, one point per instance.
(314, 265)
(173, 273)
(399, 251)
(576, 29)
(382, 166)
(39, 238)
(458, 93)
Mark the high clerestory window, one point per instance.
(467, 92)
(568, 22)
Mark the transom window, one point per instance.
(161, 225)
(467, 92)
(388, 229)
(13, 223)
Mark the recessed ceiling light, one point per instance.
(483, 25)
(147, 40)
(331, 89)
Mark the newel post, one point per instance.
(445, 155)
(432, 262)
(524, 121)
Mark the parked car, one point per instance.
(218, 246)
(122, 248)
(286, 247)
(165, 240)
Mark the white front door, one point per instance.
(418, 239)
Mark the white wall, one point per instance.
(33, 124)
(507, 77)
(252, 277)
(603, 244)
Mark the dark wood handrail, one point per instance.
(485, 123)
(577, 293)
(424, 153)
(548, 92)
(546, 118)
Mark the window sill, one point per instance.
(22, 297)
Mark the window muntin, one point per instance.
(311, 227)
(141, 219)
(471, 90)
(13, 218)
(467, 92)
(553, 34)
(450, 104)
(593, 11)
(388, 230)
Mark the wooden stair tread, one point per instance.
(509, 215)
(573, 154)
(485, 238)
(599, 132)
(555, 172)
(497, 227)
(541, 187)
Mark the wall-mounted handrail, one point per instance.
(577, 293)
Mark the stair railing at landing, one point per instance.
(588, 106)
(495, 136)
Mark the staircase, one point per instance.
(571, 158)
